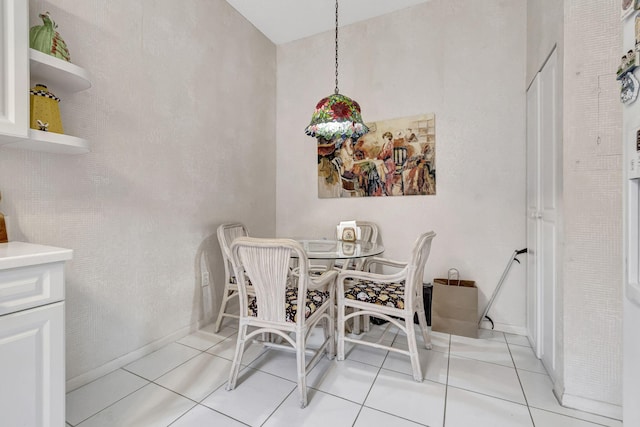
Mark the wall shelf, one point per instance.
(56, 73)
(51, 142)
(59, 76)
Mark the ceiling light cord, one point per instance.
(336, 117)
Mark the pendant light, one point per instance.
(336, 117)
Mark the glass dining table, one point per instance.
(339, 250)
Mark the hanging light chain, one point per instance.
(336, 90)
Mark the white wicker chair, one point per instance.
(273, 308)
(226, 235)
(392, 297)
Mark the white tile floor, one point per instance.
(492, 381)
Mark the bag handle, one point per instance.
(453, 274)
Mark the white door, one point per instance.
(32, 367)
(533, 203)
(543, 197)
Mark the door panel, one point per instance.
(548, 275)
(550, 179)
(544, 162)
(533, 194)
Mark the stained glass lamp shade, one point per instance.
(336, 116)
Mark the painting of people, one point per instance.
(396, 158)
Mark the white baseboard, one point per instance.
(94, 374)
(503, 327)
(597, 407)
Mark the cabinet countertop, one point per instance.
(21, 254)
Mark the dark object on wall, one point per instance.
(427, 292)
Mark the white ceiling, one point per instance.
(283, 21)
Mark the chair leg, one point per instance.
(413, 347)
(422, 320)
(341, 325)
(332, 331)
(356, 323)
(237, 358)
(302, 375)
(223, 307)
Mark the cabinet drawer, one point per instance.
(26, 287)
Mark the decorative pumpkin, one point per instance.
(46, 39)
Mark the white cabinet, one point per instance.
(32, 369)
(20, 65)
(14, 70)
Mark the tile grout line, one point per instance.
(196, 403)
(596, 423)
(182, 415)
(279, 405)
(380, 369)
(534, 407)
(124, 368)
(446, 388)
(199, 403)
(374, 380)
(520, 382)
(118, 400)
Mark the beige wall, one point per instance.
(545, 24)
(181, 116)
(593, 203)
(411, 62)
(587, 35)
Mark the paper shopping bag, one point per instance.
(454, 308)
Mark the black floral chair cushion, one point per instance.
(233, 280)
(388, 294)
(314, 300)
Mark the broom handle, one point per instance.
(504, 275)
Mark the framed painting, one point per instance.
(396, 158)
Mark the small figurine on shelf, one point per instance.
(46, 39)
(628, 63)
(631, 58)
(45, 112)
(623, 65)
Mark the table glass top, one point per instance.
(335, 249)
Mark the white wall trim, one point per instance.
(597, 407)
(118, 363)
